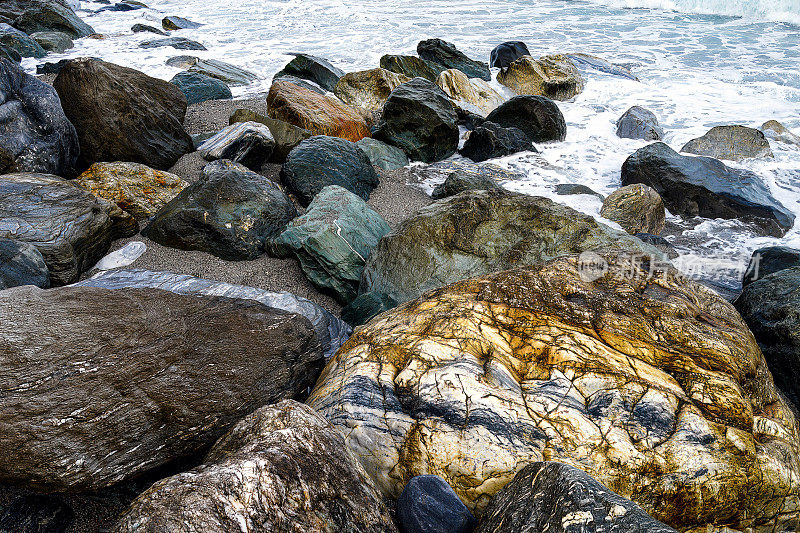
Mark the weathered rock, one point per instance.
(419, 118)
(321, 161)
(9, 54)
(365, 307)
(428, 505)
(167, 374)
(702, 186)
(554, 496)
(122, 114)
(282, 469)
(643, 378)
(539, 117)
(489, 140)
(248, 143)
(412, 67)
(774, 130)
(368, 88)
(315, 112)
(768, 260)
(20, 42)
(477, 232)
(305, 84)
(639, 123)
(53, 41)
(36, 514)
(730, 142)
(331, 331)
(178, 23)
(333, 240)
(504, 54)
(660, 243)
(555, 77)
(137, 189)
(590, 62)
(199, 87)
(439, 172)
(470, 93)
(444, 53)
(225, 72)
(35, 135)
(34, 16)
(564, 189)
(21, 264)
(139, 28)
(229, 212)
(313, 68)
(382, 155)
(637, 208)
(179, 43)
(286, 136)
(69, 226)
(462, 180)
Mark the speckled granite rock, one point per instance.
(368, 88)
(776, 131)
(730, 142)
(637, 208)
(555, 77)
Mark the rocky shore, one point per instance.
(248, 314)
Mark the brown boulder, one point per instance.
(637, 208)
(555, 77)
(369, 88)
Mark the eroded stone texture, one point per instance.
(730, 142)
(286, 135)
(637, 208)
(555, 77)
(476, 93)
(653, 385)
(368, 88)
(412, 66)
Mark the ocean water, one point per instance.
(701, 63)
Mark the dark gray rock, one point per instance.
(306, 84)
(287, 136)
(119, 7)
(199, 87)
(366, 307)
(140, 28)
(444, 53)
(702, 186)
(548, 496)
(429, 505)
(225, 72)
(313, 68)
(539, 117)
(321, 161)
(53, 41)
(489, 140)
(50, 67)
(247, 143)
(10, 54)
(659, 242)
(462, 180)
(179, 43)
(383, 155)
(36, 514)
(639, 123)
(412, 67)
(178, 23)
(730, 142)
(32, 16)
(565, 189)
(22, 264)
(20, 42)
(504, 54)
(768, 260)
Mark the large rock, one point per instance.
(774, 130)
(555, 77)
(10, 54)
(21, 264)
(730, 142)
(702, 186)
(122, 114)
(538, 116)
(646, 380)
(199, 87)
(553, 496)
(32, 16)
(286, 136)
(225, 72)
(229, 212)
(444, 53)
(102, 385)
(137, 189)
(639, 123)
(178, 43)
(477, 232)
(412, 67)
(71, 228)
(35, 135)
(768, 260)
(428, 505)
(382, 155)
(283, 469)
(248, 143)
(462, 180)
(637, 208)
(333, 240)
(321, 161)
(506, 53)
(473, 94)
(368, 88)
(419, 118)
(20, 42)
(489, 140)
(53, 41)
(314, 112)
(313, 68)
(178, 23)
(140, 28)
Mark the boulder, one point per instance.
(470, 93)
(768, 260)
(489, 140)
(35, 135)
(225, 72)
(22, 264)
(598, 64)
(446, 54)
(553, 496)
(104, 385)
(248, 143)
(382, 155)
(135, 188)
(555, 77)
(462, 180)
(730, 142)
(639, 123)
(34, 16)
(140, 28)
(646, 380)
(122, 114)
(282, 469)
(477, 232)
(772, 129)
(285, 135)
(504, 54)
(70, 227)
(565, 189)
(314, 112)
(36, 513)
(230, 212)
(365, 307)
(702, 186)
(333, 240)
(428, 505)
(538, 116)
(178, 23)
(419, 118)
(305, 84)
(179, 43)
(199, 87)
(637, 208)
(20, 42)
(368, 88)
(313, 68)
(10, 54)
(412, 67)
(321, 161)
(53, 41)
(330, 331)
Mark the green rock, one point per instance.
(463, 180)
(366, 307)
(412, 66)
(383, 155)
(333, 240)
(53, 41)
(286, 135)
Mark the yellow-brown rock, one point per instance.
(642, 378)
(135, 188)
(637, 208)
(555, 77)
(369, 88)
(319, 114)
(474, 92)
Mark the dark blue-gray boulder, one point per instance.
(464, 180)
(639, 123)
(538, 116)
(446, 54)
(20, 42)
(383, 155)
(35, 513)
(22, 264)
(504, 54)
(199, 87)
(10, 54)
(768, 260)
(141, 28)
(32, 16)
(179, 23)
(706, 187)
(312, 68)
(248, 143)
(366, 307)
(489, 140)
(429, 505)
(179, 43)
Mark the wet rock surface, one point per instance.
(639, 123)
(504, 54)
(368, 88)
(428, 505)
(637, 208)
(248, 143)
(730, 142)
(312, 68)
(446, 54)
(412, 66)
(768, 260)
(539, 117)
(22, 264)
(286, 136)
(382, 155)
(199, 87)
(555, 77)
(489, 141)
